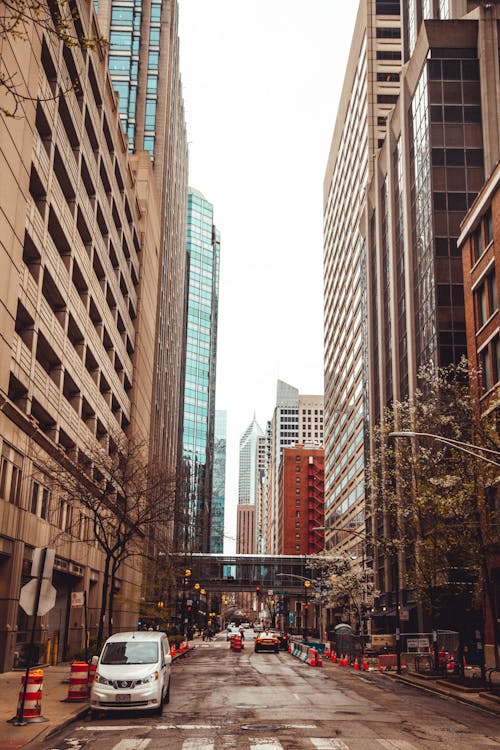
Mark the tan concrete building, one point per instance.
(370, 90)
(79, 244)
(442, 143)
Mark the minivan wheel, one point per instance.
(166, 698)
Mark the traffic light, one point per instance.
(257, 589)
(189, 608)
(306, 607)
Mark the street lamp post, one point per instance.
(306, 608)
(185, 581)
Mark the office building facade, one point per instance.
(78, 252)
(442, 142)
(218, 483)
(247, 489)
(144, 65)
(194, 501)
(370, 90)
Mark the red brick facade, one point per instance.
(480, 243)
(301, 501)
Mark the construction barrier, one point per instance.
(78, 682)
(388, 662)
(32, 709)
(306, 654)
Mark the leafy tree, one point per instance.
(128, 502)
(344, 584)
(18, 20)
(430, 498)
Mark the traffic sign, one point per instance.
(28, 596)
(77, 599)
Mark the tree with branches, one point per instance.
(128, 502)
(431, 496)
(18, 21)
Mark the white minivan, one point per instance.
(133, 671)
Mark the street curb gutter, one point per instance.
(34, 742)
(477, 702)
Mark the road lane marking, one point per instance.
(198, 743)
(132, 744)
(265, 744)
(323, 743)
(396, 744)
(297, 697)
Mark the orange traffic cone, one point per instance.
(356, 664)
(334, 657)
(365, 664)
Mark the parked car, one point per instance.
(267, 641)
(133, 671)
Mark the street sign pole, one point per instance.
(19, 720)
(85, 625)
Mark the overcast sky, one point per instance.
(261, 81)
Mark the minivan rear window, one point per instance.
(130, 652)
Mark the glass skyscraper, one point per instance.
(194, 506)
(218, 484)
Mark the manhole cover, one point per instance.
(261, 727)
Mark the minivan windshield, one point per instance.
(130, 652)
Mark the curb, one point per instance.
(450, 693)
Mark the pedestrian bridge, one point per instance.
(278, 573)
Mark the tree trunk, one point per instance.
(104, 601)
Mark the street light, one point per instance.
(306, 608)
(469, 448)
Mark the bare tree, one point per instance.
(57, 18)
(129, 504)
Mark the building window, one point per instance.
(11, 475)
(488, 228)
(490, 365)
(40, 498)
(65, 516)
(477, 244)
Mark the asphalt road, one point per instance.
(246, 701)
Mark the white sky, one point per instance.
(261, 81)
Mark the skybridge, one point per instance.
(233, 573)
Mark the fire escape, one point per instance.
(316, 507)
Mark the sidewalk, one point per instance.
(480, 699)
(54, 706)
(54, 709)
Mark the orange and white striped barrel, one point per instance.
(78, 681)
(33, 701)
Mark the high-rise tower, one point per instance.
(247, 488)
(143, 61)
(218, 483)
(370, 90)
(194, 501)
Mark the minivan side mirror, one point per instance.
(94, 661)
(168, 659)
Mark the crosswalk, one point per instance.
(224, 742)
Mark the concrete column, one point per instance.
(487, 44)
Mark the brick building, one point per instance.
(480, 244)
(301, 501)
